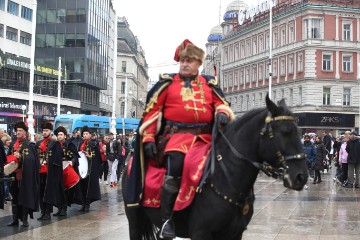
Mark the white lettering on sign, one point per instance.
(330, 119)
(17, 63)
(255, 9)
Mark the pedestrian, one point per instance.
(6, 140)
(320, 159)
(353, 150)
(342, 158)
(310, 151)
(180, 113)
(104, 168)
(25, 189)
(113, 151)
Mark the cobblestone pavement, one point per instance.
(324, 211)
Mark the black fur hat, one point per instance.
(21, 125)
(60, 129)
(47, 125)
(85, 129)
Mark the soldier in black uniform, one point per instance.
(90, 188)
(51, 175)
(25, 190)
(70, 156)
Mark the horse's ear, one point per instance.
(271, 106)
(282, 103)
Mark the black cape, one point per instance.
(29, 190)
(71, 153)
(54, 190)
(136, 176)
(93, 188)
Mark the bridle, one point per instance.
(280, 171)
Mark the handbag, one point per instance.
(123, 152)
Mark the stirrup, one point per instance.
(167, 235)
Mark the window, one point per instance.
(2, 5)
(122, 109)
(326, 96)
(13, 8)
(291, 33)
(326, 62)
(25, 38)
(274, 69)
(300, 62)
(11, 33)
(266, 71)
(242, 50)
(254, 78)
(60, 40)
(261, 71)
(347, 32)
(61, 16)
(275, 43)
(241, 76)
(1, 30)
(300, 96)
(313, 28)
(282, 67)
(347, 59)
(248, 52)
(261, 43)
(236, 78)
(247, 76)
(123, 85)
(26, 13)
(70, 16)
(291, 97)
(291, 64)
(81, 15)
(267, 41)
(123, 66)
(254, 46)
(283, 37)
(346, 96)
(237, 52)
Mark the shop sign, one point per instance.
(325, 120)
(255, 9)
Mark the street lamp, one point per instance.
(23, 108)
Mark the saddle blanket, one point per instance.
(194, 163)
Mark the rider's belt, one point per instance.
(193, 128)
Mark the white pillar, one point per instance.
(125, 107)
(32, 70)
(337, 27)
(113, 117)
(270, 49)
(337, 65)
(59, 88)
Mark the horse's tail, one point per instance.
(140, 226)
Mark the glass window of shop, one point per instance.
(14, 79)
(41, 16)
(40, 40)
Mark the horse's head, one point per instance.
(281, 142)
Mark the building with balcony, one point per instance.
(315, 46)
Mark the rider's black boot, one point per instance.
(169, 193)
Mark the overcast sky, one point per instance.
(161, 25)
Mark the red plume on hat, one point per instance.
(188, 49)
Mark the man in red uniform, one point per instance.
(181, 111)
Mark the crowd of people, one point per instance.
(343, 152)
(58, 169)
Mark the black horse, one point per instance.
(263, 139)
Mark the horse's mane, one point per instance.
(282, 109)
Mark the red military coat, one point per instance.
(181, 104)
